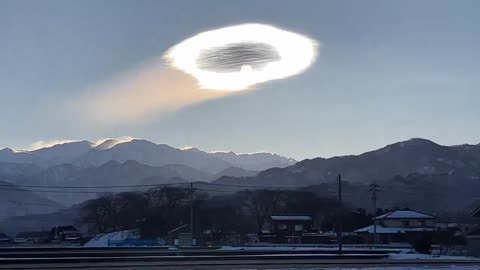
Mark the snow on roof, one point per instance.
(72, 232)
(291, 218)
(476, 213)
(392, 230)
(405, 214)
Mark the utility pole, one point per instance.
(339, 215)
(191, 212)
(374, 189)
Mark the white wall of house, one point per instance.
(473, 245)
(407, 223)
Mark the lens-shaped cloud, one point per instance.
(237, 57)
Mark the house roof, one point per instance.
(405, 214)
(304, 218)
(473, 232)
(71, 232)
(392, 230)
(67, 228)
(32, 234)
(476, 213)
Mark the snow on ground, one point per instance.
(416, 256)
(305, 248)
(451, 267)
(402, 214)
(394, 253)
(102, 240)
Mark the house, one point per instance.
(32, 237)
(67, 233)
(473, 237)
(4, 239)
(181, 236)
(290, 230)
(399, 226)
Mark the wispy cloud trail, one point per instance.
(150, 91)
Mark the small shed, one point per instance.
(289, 229)
(67, 233)
(473, 237)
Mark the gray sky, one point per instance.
(387, 71)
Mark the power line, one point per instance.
(53, 191)
(253, 186)
(20, 187)
(27, 203)
(217, 190)
(89, 187)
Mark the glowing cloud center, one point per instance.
(237, 57)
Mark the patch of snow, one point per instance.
(103, 240)
(391, 230)
(333, 248)
(404, 214)
(448, 267)
(416, 256)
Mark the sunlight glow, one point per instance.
(48, 143)
(295, 54)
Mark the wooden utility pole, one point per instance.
(339, 215)
(191, 212)
(374, 189)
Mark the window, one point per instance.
(299, 227)
(282, 226)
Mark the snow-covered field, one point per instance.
(451, 267)
(302, 248)
(416, 256)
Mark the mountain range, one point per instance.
(415, 156)
(85, 154)
(417, 173)
(113, 163)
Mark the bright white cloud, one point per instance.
(154, 89)
(113, 141)
(48, 143)
(296, 53)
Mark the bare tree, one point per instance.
(261, 204)
(100, 213)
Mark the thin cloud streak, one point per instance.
(47, 143)
(118, 140)
(151, 91)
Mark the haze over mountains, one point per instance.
(406, 170)
(86, 154)
(416, 173)
(112, 163)
(415, 156)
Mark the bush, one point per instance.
(423, 245)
